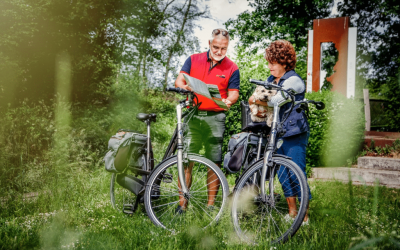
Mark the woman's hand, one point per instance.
(258, 102)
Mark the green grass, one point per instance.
(78, 215)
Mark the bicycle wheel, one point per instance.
(163, 193)
(256, 219)
(120, 196)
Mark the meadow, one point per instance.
(80, 216)
(55, 191)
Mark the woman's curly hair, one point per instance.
(282, 52)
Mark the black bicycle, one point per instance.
(259, 211)
(180, 179)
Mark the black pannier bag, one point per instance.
(237, 147)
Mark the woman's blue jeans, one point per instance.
(294, 147)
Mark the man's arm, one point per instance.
(232, 98)
(181, 83)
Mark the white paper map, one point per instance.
(207, 90)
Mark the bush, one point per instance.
(251, 67)
(392, 92)
(336, 133)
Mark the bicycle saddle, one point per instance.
(144, 117)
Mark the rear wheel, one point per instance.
(258, 218)
(162, 195)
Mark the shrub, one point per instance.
(251, 67)
(336, 133)
(392, 92)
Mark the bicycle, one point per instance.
(258, 210)
(164, 187)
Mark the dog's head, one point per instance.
(264, 94)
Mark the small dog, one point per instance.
(262, 94)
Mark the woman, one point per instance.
(281, 58)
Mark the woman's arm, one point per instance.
(295, 83)
(258, 102)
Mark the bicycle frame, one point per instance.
(271, 146)
(269, 150)
(179, 136)
(275, 130)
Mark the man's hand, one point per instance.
(185, 87)
(227, 102)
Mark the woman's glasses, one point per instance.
(223, 32)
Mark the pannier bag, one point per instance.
(234, 158)
(124, 147)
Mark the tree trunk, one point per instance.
(171, 50)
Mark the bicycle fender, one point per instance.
(282, 156)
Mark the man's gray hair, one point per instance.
(219, 35)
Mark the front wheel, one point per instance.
(257, 218)
(204, 203)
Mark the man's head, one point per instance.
(218, 44)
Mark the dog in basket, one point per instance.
(264, 113)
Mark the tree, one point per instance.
(34, 32)
(378, 40)
(272, 20)
(189, 12)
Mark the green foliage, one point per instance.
(336, 133)
(37, 150)
(273, 20)
(378, 43)
(391, 90)
(341, 216)
(251, 67)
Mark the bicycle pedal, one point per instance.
(167, 178)
(128, 209)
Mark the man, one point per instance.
(208, 123)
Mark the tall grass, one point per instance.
(68, 204)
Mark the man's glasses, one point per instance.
(223, 32)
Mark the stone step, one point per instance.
(386, 178)
(381, 139)
(379, 163)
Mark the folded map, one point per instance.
(209, 91)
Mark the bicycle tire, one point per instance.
(256, 221)
(162, 195)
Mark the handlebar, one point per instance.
(265, 84)
(179, 90)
